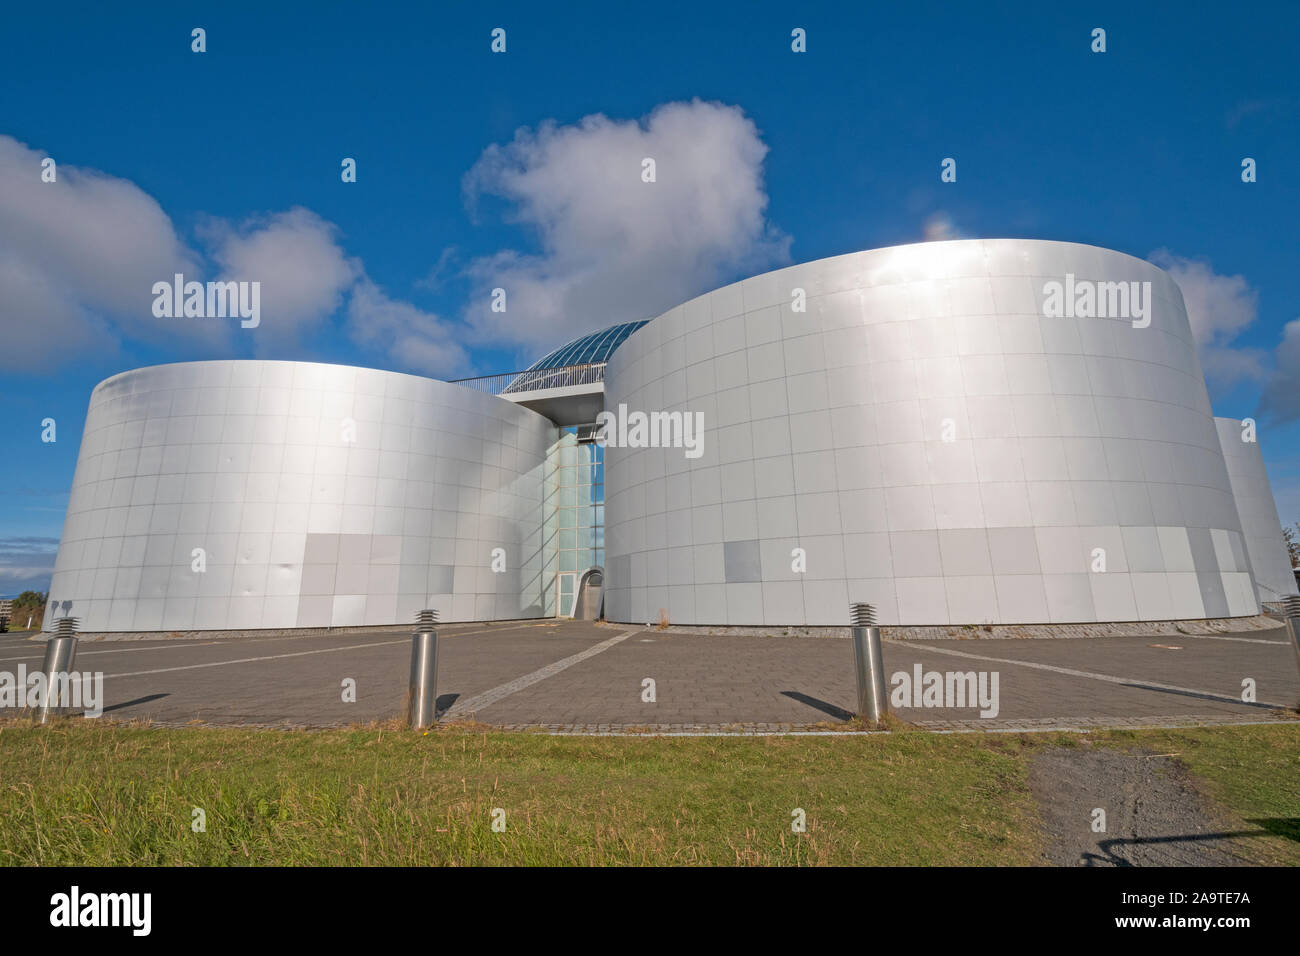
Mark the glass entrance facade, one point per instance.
(575, 514)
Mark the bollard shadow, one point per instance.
(839, 713)
(444, 702)
(1110, 857)
(1224, 698)
(133, 703)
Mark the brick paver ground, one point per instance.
(703, 683)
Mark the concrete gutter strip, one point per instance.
(1210, 627)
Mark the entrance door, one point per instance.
(587, 607)
(566, 588)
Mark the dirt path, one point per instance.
(1154, 815)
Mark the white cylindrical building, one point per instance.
(968, 432)
(255, 494)
(1265, 545)
(915, 428)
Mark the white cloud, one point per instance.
(410, 337)
(26, 563)
(1281, 398)
(613, 247)
(43, 324)
(78, 259)
(1219, 308)
(296, 257)
(939, 228)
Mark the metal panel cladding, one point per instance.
(255, 494)
(958, 432)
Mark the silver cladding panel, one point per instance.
(250, 461)
(824, 432)
(1265, 545)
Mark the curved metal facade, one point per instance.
(924, 438)
(923, 434)
(319, 495)
(1260, 525)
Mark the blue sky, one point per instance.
(229, 160)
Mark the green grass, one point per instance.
(101, 793)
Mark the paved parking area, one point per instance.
(585, 677)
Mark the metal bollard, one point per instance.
(1291, 608)
(60, 654)
(873, 701)
(422, 711)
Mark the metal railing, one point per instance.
(512, 383)
(1291, 607)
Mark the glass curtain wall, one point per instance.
(575, 517)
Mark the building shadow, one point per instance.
(1286, 827)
